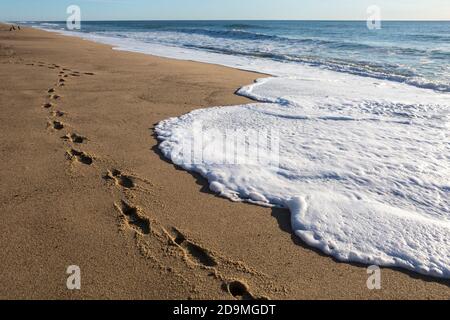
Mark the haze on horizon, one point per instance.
(55, 10)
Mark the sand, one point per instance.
(82, 183)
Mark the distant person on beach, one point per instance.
(12, 28)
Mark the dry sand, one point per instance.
(82, 183)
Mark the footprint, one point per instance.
(80, 157)
(134, 218)
(54, 96)
(239, 290)
(194, 252)
(89, 73)
(47, 105)
(56, 125)
(120, 179)
(75, 138)
(57, 113)
(51, 90)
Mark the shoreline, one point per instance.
(154, 204)
(114, 47)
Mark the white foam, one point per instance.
(363, 190)
(363, 164)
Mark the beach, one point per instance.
(84, 183)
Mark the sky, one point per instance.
(47, 10)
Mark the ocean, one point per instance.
(350, 131)
(416, 53)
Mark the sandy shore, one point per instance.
(82, 183)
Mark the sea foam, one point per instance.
(363, 163)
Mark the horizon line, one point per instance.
(331, 20)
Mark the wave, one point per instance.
(48, 24)
(428, 37)
(229, 34)
(335, 44)
(361, 68)
(244, 26)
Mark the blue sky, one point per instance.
(224, 9)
